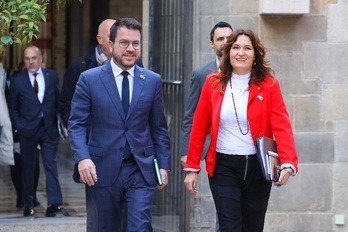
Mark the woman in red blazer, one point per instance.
(238, 104)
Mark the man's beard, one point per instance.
(218, 53)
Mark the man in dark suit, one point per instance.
(122, 105)
(218, 37)
(33, 103)
(16, 169)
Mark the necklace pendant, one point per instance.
(236, 114)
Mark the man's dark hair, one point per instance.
(220, 24)
(129, 23)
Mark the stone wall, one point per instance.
(309, 54)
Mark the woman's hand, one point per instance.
(191, 181)
(284, 177)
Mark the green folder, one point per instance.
(158, 173)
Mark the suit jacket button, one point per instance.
(121, 148)
(126, 129)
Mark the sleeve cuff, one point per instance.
(191, 170)
(287, 165)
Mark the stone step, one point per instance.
(11, 218)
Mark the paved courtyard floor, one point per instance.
(11, 218)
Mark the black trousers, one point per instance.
(16, 176)
(240, 193)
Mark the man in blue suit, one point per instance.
(33, 103)
(122, 106)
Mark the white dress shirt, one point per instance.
(118, 78)
(41, 83)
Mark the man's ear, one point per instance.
(98, 37)
(211, 44)
(110, 44)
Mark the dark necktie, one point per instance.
(36, 86)
(125, 92)
(125, 104)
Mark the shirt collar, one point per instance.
(39, 71)
(217, 62)
(117, 70)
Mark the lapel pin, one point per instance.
(142, 77)
(260, 97)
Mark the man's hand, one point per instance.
(183, 160)
(88, 172)
(164, 176)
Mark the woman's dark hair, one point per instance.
(260, 68)
(129, 23)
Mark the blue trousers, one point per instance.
(131, 190)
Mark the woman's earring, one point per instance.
(254, 62)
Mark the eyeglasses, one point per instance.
(125, 43)
(33, 58)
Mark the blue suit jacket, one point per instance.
(25, 109)
(97, 105)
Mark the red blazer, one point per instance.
(267, 116)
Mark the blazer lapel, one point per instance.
(254, 90)
(27, 85)
(47, 80)
(139, 80)
(213, 67)
(108, 79)
(216, 100)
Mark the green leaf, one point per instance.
(6, 39)
(43, 17)
(30, 11)
(24, 17)
(17, 40)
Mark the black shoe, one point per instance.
(28, 211)
(53, 210)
